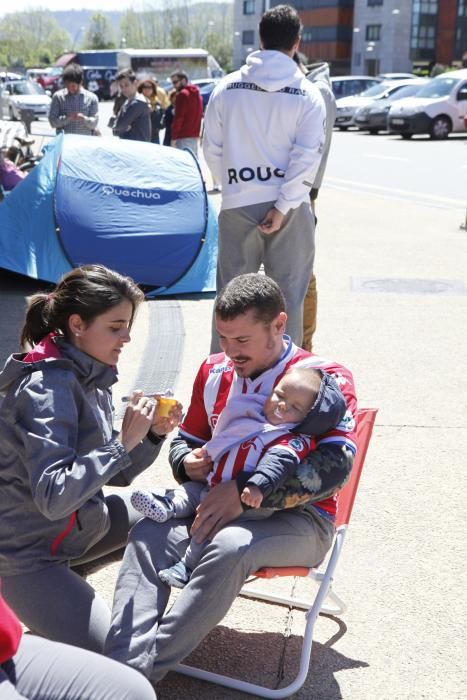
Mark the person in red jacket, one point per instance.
(32, 667)
(186, 125)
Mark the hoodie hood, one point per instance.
(192, 89)
(271, 70)
(54, 351)
(319, 72)
(327, 411)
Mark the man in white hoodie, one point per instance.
(264, 134)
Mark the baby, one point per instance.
(258, 432)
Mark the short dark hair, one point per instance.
(126, 73)
(73, 73)
(180, 75)
(279, 28)
(251, 291)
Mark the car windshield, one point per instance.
(375, 91)
(440, 87)
(406, 91)
(26, 88)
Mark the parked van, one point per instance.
(437, 109)
(345, 85)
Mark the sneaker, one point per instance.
(177, 576)
(158, 508)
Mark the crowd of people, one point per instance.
(260, 453)
(142, 108)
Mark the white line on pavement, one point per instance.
(380, 156)
(393, 190)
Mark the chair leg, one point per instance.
(259, 690)
(340, 606)
(305, 657)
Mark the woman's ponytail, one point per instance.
(36, 324)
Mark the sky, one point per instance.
(20, 5)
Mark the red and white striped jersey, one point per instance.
(217, 381)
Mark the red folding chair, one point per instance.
(365, 422)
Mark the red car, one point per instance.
(50, 80)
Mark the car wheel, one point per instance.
(406, 137)
(440, 128)
(11, 114)
(373, 131)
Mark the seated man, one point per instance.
(250, 319)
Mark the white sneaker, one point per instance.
(176, 576)
(158, 508)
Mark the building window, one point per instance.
(248, 37)
(425, 7)
(373, 32)
(374, 3)
(249, 7)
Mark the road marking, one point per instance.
(381, 157)
(393, 190)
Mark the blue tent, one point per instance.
(138, 208)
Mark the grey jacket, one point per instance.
(318, 74)
(57, 450)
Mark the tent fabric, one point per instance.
(139, 208)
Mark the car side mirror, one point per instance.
(462, 94)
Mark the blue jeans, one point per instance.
(191, 143)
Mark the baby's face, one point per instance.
(289, 402)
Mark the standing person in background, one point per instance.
(318, 74)
(186, 125)
(263, 140)
(168, 118)
(148, 89)
(73, 109)
(162, 95)
(134, 118)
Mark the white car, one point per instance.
(348, 106)
(17, 95)
(437, 109)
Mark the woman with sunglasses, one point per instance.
(158, 100)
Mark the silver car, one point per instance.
(17, 95)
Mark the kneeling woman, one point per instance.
(58, 449)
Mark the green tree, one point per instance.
(99, 34)
(27, 37)
(132, 30)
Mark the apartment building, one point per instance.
(327, 30)
(366, 36)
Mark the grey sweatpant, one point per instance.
(45, 670)
(57, 603)
(185, 500)
(287, 255)
(152, 641)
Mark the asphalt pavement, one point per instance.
(392, 283)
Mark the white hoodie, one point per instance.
(264, 133)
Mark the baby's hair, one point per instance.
(309, 376)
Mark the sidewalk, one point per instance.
(400, 571)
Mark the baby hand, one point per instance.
(251, 496)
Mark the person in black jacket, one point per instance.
(134, 118)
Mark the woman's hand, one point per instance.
(197, 464)
(161, 425)
(137, 420)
